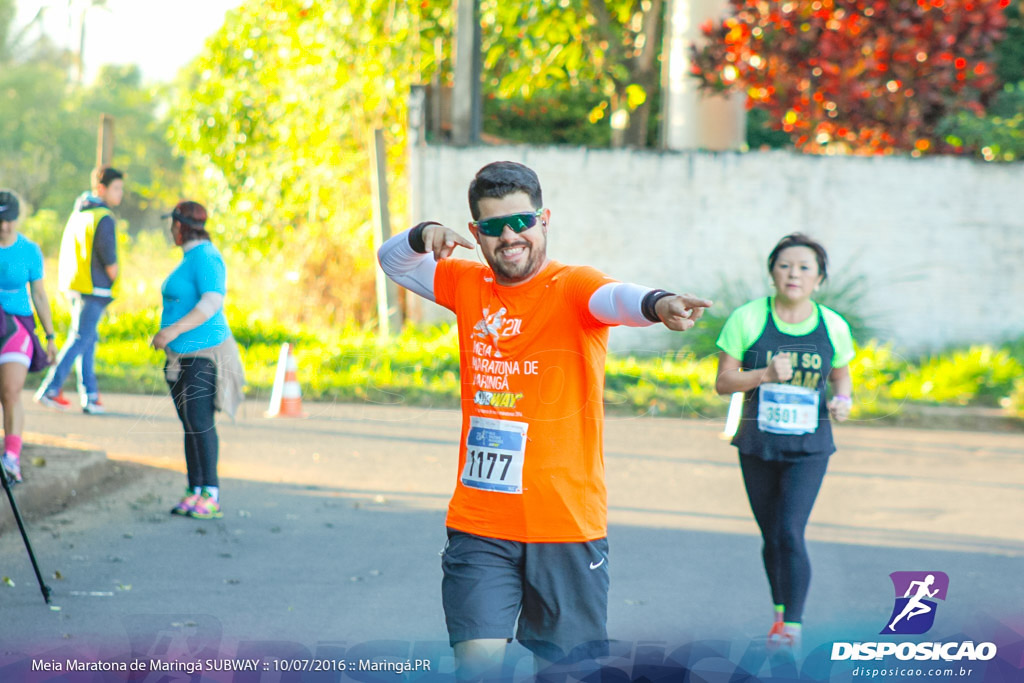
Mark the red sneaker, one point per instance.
(775, 635)
(53, 400)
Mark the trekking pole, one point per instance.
(21, 527)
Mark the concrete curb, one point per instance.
(57, 472)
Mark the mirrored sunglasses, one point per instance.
(493, 227)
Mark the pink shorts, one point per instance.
(18, 347)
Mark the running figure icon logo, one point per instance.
(489, 327)
(916, 592)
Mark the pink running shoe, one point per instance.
(206, 508)
(185, 505)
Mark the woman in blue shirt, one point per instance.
(21, 264)
(202, 370)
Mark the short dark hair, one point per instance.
(798, 239)
(104, 175)
(500, 179)
(191, 216)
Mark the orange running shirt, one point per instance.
(531, 459)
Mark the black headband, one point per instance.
(8, 206)
(191, 222)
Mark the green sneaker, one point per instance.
(205, 507)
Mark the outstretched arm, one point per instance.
(623, 303)
(405, 258)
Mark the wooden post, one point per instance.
(467, 102)
(105, 141)
(417, 144)
(388, 314)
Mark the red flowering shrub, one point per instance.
(857, 76)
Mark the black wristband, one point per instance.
(51, 337)
(650, 300)
(416, 237)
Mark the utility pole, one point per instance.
(467, 100)
(690, 119)
(105, 141)
(388, 313)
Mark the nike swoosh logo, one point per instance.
(595, 566)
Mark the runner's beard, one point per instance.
(523, 270)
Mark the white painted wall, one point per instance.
(940, 240)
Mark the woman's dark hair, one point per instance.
(191, 216)
(798, 239)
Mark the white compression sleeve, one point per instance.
(619, 303)
(406, 267)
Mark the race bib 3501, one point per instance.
(787, 409)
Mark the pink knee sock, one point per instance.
(12, 445)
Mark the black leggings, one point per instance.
(781, 496)
(193, 393)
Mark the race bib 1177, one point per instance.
(495, 454)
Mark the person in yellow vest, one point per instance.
(87, 273)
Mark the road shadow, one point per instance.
(307, 569)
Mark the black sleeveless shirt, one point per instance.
(811, 355)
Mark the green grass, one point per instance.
(421, 366)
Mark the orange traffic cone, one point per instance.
(286, 396)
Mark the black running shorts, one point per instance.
(558, 591)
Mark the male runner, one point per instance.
(87, 273)
(527, 523)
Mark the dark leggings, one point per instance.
(193, 393)
(781, 495)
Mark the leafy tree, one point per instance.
(141, 149)
(274, 120)
(997, 136)
(1010, 50)
(7, 13)
(34, 131)
(867, 76)
(48, 128)
(558, 117)
(608, 46)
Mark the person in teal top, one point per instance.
(201, 271)
(21, 271)
(196, 338)
(20, 262)
(782, 352)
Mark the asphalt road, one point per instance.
(333, 524)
